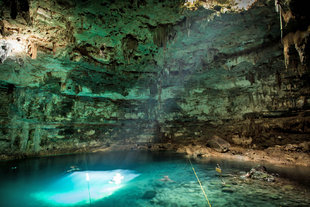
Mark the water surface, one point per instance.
(147, 179)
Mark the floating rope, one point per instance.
(203, 191)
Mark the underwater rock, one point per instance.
(227, 190)
(149, 194)
(259, 173)
(218, 144)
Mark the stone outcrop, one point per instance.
(89, 74)
(259, 173)
(218, 144)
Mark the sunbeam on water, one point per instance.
(84, 187)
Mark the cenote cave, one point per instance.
(151, 103)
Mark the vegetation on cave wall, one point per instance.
(94, 73)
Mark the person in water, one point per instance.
(117, 179)
(73, 168)
(166, 179)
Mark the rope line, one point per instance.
(203, 191)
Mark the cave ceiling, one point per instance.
(109, 46)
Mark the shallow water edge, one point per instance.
(272, 155)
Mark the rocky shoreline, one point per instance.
(278, 155)
(272, 155)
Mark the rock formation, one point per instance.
(84, 74)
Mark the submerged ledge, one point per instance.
(272, 155)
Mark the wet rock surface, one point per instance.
(218, 144)
(259, 173)
(85, 75)
(149, 194)
(274, 155)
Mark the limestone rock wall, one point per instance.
(96, 73)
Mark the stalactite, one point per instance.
(54, 48)
(82, 23)
(13, 12)
(188, 25)
(129, 44)
(297, 41)
(24, 137)
(37, 138)
(32, 50)
(13, 131)
(162, 34)
(159, 94)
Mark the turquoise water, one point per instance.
(144, 179)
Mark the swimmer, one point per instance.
(73, 168)
(117, 179)
(166, 179)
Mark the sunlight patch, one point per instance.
(82, 187)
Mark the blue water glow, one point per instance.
(82, 187)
